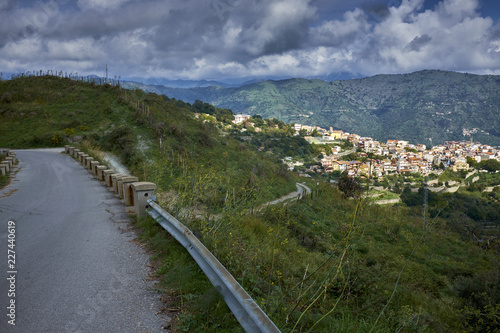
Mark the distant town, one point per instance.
(399, 156)
(383, 158)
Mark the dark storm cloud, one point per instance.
(418, 42)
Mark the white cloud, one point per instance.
(339, 32)
(231, 34)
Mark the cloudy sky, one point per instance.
(223, 39)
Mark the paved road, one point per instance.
(76, 267)
(301, 189)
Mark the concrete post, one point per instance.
(13, 155)
(70, 150)
(6, 165)
(82, 158)
(10, 160)
(92, 167)
(142, 192)
(100, 169)
(75, 152)
(108, 180)
(66, 149)
(79, 155)
(112, 183)
(3, 170)
(125, 190)
(117, 183)
(87, 162)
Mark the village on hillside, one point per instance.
(395, 156)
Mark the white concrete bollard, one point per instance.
(100, 172)
(143, 191)
(92, 167)
(6, 165)
(126, 190)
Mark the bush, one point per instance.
(56, 139)
(69, 131)
(6, 97)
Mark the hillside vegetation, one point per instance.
(415, 107)
(327, 263)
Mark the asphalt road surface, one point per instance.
(75, 269)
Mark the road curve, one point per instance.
(76, 267)
(301, 189)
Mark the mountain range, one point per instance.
(428, 107)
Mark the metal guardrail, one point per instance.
(246, 311)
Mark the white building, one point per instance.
(240, 118)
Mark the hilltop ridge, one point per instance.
(417, 106)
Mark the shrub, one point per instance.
(56, 139)
(69, 131)
(6, 97)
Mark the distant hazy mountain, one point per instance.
(418, 106)
(178, 83)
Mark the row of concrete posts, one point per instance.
(130, 189)
(8, 161)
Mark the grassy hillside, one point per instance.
(415, 107)
(324, 264)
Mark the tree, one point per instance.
(489, 165)
(257, 120)
(471, 161)
(349, 185)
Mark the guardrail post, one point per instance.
(112, 183)
(3, 169)
(82, 158)
(100, 172)
(6, 165)
(92, 167)
(10, 160)
(117, 183)
(66, 149)
(70, 150)
(109, 179)
(13, 155)
(143, 191)
(88, 161)
(78, 155)
(75, 152)
(105, 175)
(126, 190)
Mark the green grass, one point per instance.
(322, 264)
(4, 180)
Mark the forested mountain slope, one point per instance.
(416, 107)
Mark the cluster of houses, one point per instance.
(393, 156)
(399, 156)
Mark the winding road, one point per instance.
(76, 266)
(301, 189)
